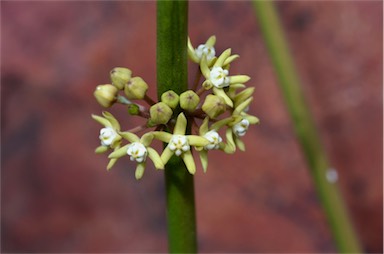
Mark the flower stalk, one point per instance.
(171, 60)
(328, 191)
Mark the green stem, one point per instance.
(329, 194)
(172, 32)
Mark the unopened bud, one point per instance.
(189, 100)
(214, 106)
(106, 95)
(135, 88)
(170, 98)
(133, 109)
(120, 76)
(160, 113)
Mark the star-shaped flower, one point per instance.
(218, 77)
(237, 125)
(207, 50)
(109, 136)
(138, 150)
(215, 142)
(180, 144)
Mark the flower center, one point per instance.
(179, 144)
(107, 135)
(214, 138)
(218, 77)
(137, 151)
(241, 128)
(208, 51)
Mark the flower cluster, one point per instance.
(217, 104)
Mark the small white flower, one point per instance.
(179, 144)
(241, 128)
(137, 151)
(219, 77)
(107, 136)
(206, 50)
(214, 138)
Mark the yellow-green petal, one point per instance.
(147, 138)
(166, 155)
(252, 119)
(220, 61)
(111, 163)
(102, 120)
(116, 142)
(162, 136)
(211, 41)
(242, 106)
(240, 144)
(101, 149)
(181, 125)
(204, 159)
(118, 153)
(232, 90)
(191, 52)
(204, 127)
(197, 140)
(155, 157)
(243, 95)
(230, 141)
(220, 92)
(189, 162)
(131, 137)
(226, 148)
(112, 120)
(204, 67)
(238, 79)
(217, 125)
(230, 59)
(139, 170)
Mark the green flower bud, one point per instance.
(133, 109)
(135, 88)
(120, 76)
(214, 106)
(189, 100)
(106, 95)
(170, 98)
(160, 113)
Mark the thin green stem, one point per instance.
(172, 31)
(329, 194)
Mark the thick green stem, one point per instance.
(305, 129)
(172, 32)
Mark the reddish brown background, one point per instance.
(56, 194)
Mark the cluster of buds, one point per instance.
(214, 107)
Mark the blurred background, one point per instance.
(56, 195)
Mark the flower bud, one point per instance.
(170, 98)
(106, 95)
(133, 109)
(160, 113)
(135, 88)
(120, 76)
(214, 106)
(189, 100)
